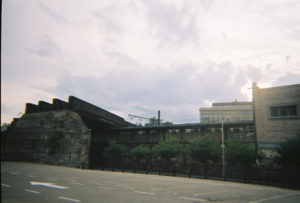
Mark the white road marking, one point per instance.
(32, 191)
(205, 193)
(14, 173)
(51, 179)
(110, 188)
(31, 176)
(68, 199)
(144, 193)
(48, 185)
(189, 198)
(275, 197)
(76, 183)
(5, 185)
(126, 186)
(157, 189)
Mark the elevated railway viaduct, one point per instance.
(75, 133)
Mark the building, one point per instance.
(229, 112)
(277, 115)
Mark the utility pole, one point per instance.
(158, 118)
(223, 151)
(139, 117)
(145, 118)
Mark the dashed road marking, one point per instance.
(173, 193)
(157, 189)
(13, 173)
(193, 199)
(75, 183)
(205, 193)
(126, 186)
(68, 199)
(51, 179)
(5, 185)
(144, 193)
(109, 188)
(275, 197)
(48, 185)
(31, 176)
(32, 191)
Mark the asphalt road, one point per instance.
(27, 182)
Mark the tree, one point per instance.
(114, 152)
(168, 149)
(154, 122)
(289, 152)
(240, 152)
(204, 150)
(138, 154)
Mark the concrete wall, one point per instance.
(271, 131)
(57, 137)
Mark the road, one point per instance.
(28, 182)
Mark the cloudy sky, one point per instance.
(141, 56)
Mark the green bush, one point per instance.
(240, 152)
(140, 153)
(114, 151)
(167, 149)
(289, 152)
(204, 149)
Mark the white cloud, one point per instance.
(141, 56)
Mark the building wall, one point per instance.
(230, 112)
(271, 128)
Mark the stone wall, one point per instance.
(56, 137)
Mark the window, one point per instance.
(283, 111)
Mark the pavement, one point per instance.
(28, 182)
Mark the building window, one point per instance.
(283, 111)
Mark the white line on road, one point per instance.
(31, 176)
(110, 188)
(76, 183)
(51, 179)
(48, 185)
(5, 185)
(126, 186)
(157, 189)
(32, 191)
(275, 197)
(205, 193)
(189, 198)
(68, 199)
(144, 193)
(14, 173)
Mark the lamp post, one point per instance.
(223, 151)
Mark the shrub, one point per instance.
(204, 149)
(289, 152)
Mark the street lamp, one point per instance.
(223, 151)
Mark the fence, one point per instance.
(275, 176)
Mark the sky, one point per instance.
(140, 56)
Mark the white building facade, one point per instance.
(229, 112)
